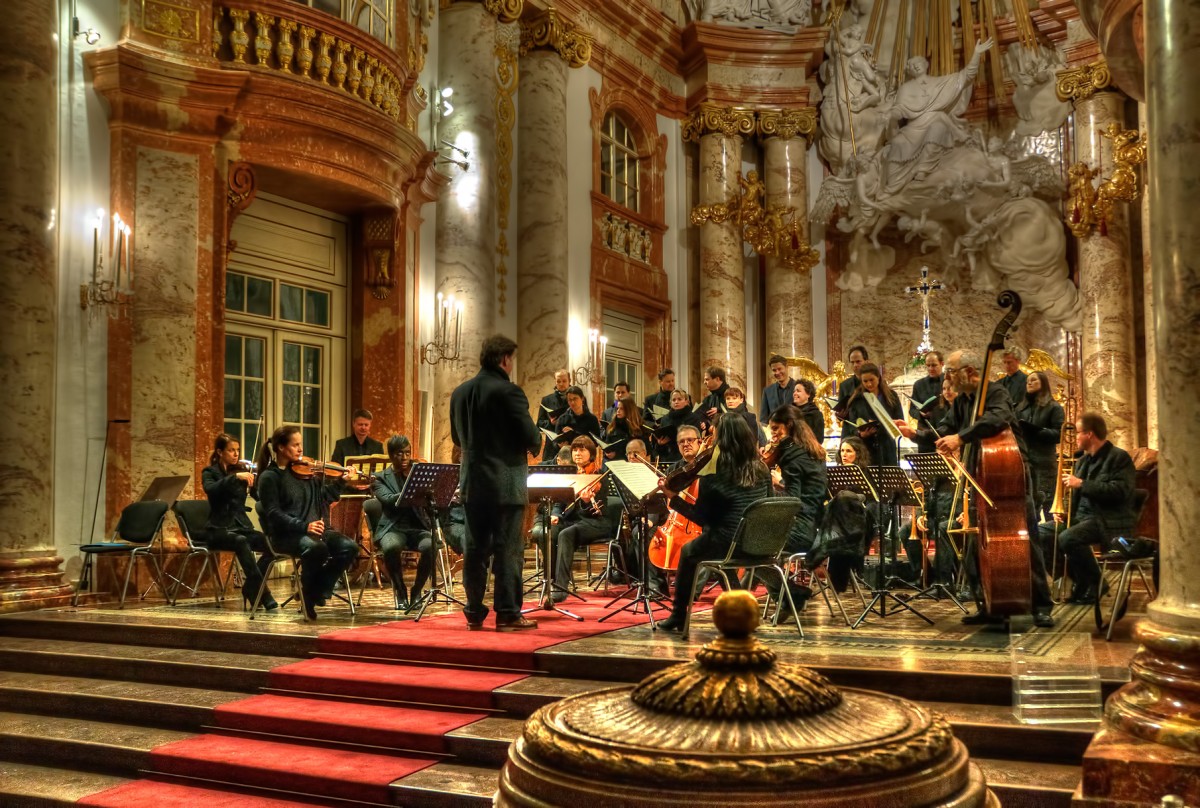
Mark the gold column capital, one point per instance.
(788, 123)
(1080, 83)
(504, 10)
(550, 30)
(709, 119)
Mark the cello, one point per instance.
(1002, 534)
(670, 537)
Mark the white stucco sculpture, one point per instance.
(752, 13)
(1037, 104)
(854, 92)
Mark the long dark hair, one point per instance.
(633, 417)
(221, 444)
(279, 438)
(889, 395)
(1043, 396)
(798, 430)
(738, 456)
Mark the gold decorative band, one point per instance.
(710, 119)
(504, 10)
(1079, 83)
(550, 30)
(788, 123)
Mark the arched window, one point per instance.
(618, 162)
(370, 15)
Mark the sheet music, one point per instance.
(641, 480)
(882, 416)
(574, 482)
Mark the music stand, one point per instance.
(431, 486)
(549, 489)
(632, 481)
(535, 576)
(931, 468)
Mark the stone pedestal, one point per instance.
(29, 565)
(722, 280)
(1150, 743)
(466, 212)
(788, 301)
(1105, 284)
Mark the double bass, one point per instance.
(1002, 532)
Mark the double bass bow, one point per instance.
(1002, 533)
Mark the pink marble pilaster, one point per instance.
(722, 282)
(788, 303)
(1106, 286)
(1150, 368)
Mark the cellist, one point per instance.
(957, 430)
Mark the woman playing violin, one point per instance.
(584, 523)
(295, 497)
(401, 527)
(226, 483)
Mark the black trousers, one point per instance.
(493, 537)
(243, 544)
(704, 548)
(323, 559)
(392, 543)
(587, 530)
(1076, 542)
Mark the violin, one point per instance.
(772, 451)
(306, 468)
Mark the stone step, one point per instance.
(1026, 784)
(24, 785)
(448, 785)
(140, 663)
(88, 745)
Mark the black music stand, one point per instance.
(547, 495)
(431, 486)
(536, 576)
(931, 468)
(640, 589)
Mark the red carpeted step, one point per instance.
(178, 795)
(287, 767)
(410, 728)
(453, 687)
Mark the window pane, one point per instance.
(253, 408)
(235, 292)
(258, 296)
(233, 398)
(255, 348)
(333, 7)
(312, 441)
(312, 405)
(234, 428)
(291, 362)
(316, 307)
(251, 443)
(291, 303)
(233, 355)
(291, 404)
(312, 365)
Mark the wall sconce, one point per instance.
(1091, 206)
(90, 36)
(445, 159)
(593, 371)
(448, 317)
(103, 289)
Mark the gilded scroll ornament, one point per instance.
(549, 30)
(1090, 206)
(506, 118)
(1080, 83)
(241, 187)
(772, 231)
(505, 11)
(711, 119)
(788, 123)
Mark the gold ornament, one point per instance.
(711, 119)
(1091, 206)
(549, 30)
(504, 10)
(1080, 83)
(788, 123)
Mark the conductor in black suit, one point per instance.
(489, 420)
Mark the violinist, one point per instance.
(226, 483)
(858, 408)
(804, 398)
(962, 368)
(741, 479)
(401, 527)
(801, 461)
(295, 497)
(588, 519)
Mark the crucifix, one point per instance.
(925, 288)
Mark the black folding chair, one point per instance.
(192, 516)
(136, 533)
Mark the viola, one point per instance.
(772, 451)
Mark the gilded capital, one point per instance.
(708, 119)
(1079, 83)
(549, 30)
(788, 123)
(504, 10)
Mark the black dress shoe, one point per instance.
(1042, 618)
(670, 624)
(402, 606)
(310, 610)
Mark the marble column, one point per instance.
(29, 566)
(788, 303)
(722, 279)
(1149, 744)
(1106, 286)
(1150, 369)
(466, 211)
(542, 222)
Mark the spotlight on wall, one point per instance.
(462, 164)
(447, 144)
(90, 36)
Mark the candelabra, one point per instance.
(1091, 206)
(448, 317)
(105, 290)
(592, 372)
(772, 231)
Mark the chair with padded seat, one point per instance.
(297, 590)
(192, 517)
(1138, 555)
(137, 532)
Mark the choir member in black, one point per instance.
(590, 518)
(926, 394)
(552, 406)
(801, 461)
(741, 479)
(735, 404)
(626, 424)
(359, 442)
(714, 401)
(778, 392)
(847, 525)
(226, 483)
(294, 512)
(882, 447)
(620, 393)
(1014, 380)
(578, 419)
(665, 447)
(856, 356)
(804, 396)
(962, 368)
(401, 527)
(661, 398)
(939, 500)
(1102, 487)
(925, 434)
(1041, 420)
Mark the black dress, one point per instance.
(1041, 426)
(882, 448)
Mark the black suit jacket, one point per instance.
(1107, 490)
(1014, 385)
(349, 447)
(489, 420)
(386, 488)
(997, 414)
(226, 499)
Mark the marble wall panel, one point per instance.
(722, 279)
(788, 295)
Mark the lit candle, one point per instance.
(96, 243)
(458, 325)
(119, 229)
(437, 313)
(129, 256)
(445, 316)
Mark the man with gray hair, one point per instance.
(1014, 378)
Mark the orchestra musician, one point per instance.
(294, 512)
(552, 405)
(661, 398)
(626, 424)
(741, 478)
(804, 396)
(1041, 420)
(1015, 380)
(359, 442)
(226, 483)
(856, 356)
(778, 392)
(871, 383)
(962, 368)
(848, 523)
(924, 389)
(589, 518)
(620, 393)
(401, 527)
(578, 419)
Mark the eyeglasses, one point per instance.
(686, 441)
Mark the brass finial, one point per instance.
(735, 676)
